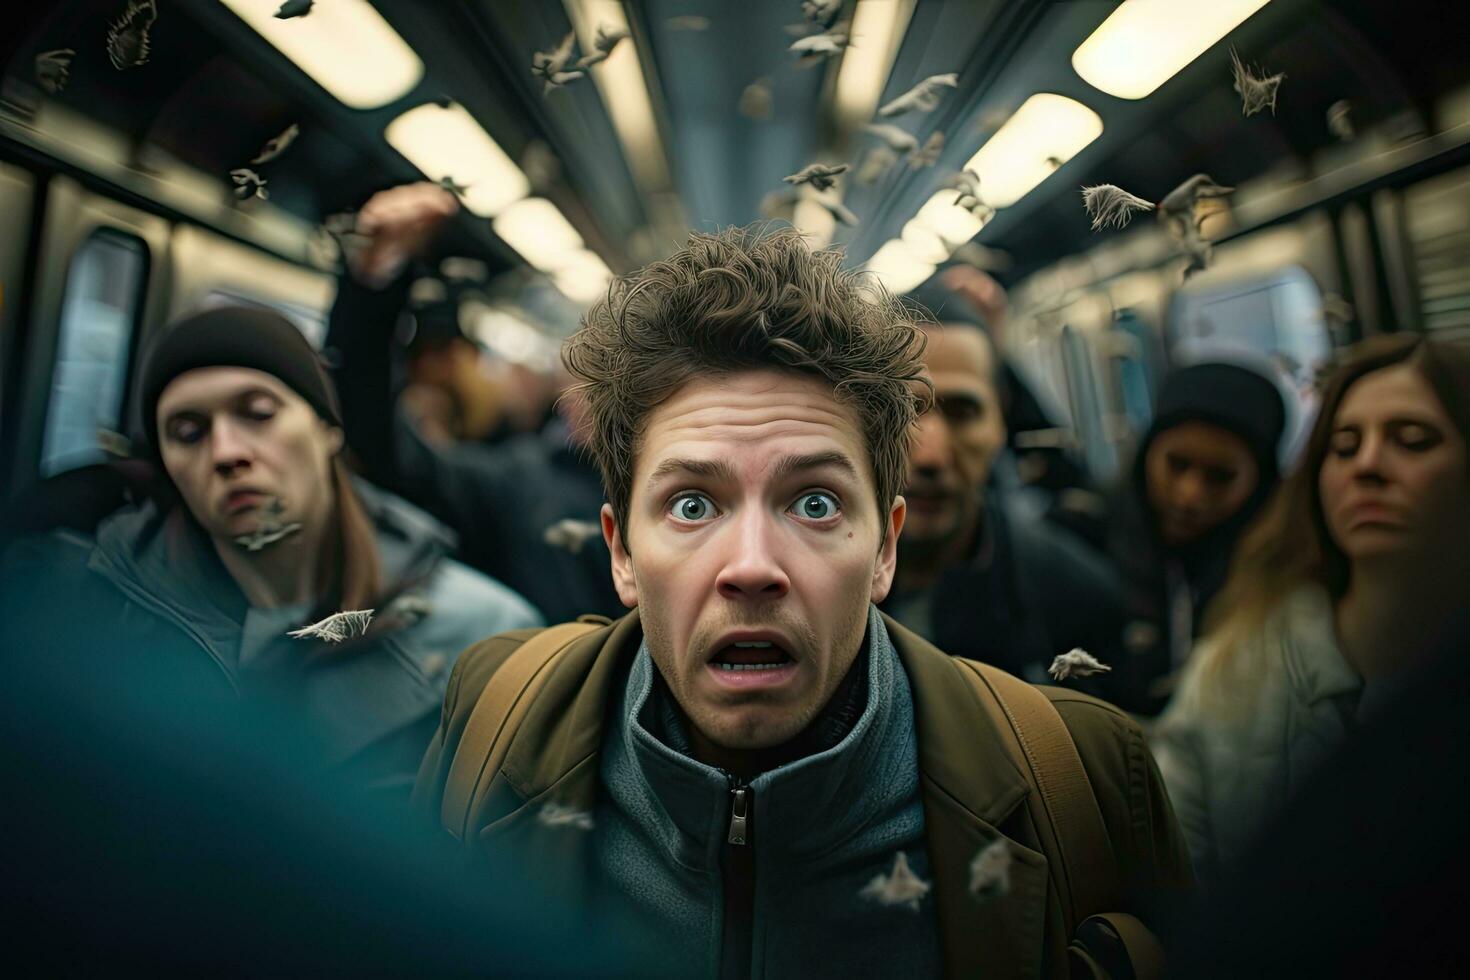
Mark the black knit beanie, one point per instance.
(235, 336)
(1235, 398)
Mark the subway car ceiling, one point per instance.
(175, 109)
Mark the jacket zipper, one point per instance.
(738, 883)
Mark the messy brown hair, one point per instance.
(745, 299)
(1289, 545)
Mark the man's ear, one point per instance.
(625, 580)
(888, 553)
(336, 439)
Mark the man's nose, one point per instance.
(228, 446)
(1189, 491)
(931, 448)
(753, 569)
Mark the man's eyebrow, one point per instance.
(812, 461)
(716, 469)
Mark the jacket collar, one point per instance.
(1315, 666)
(844, 783)
(972, 792)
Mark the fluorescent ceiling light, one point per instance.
(450, 143)
(924, 243)
(1144, 43)
(345, 46)
(941, 215)
(899, 269)
(624, 90)
(878, 27)
(584, 277)
(1044, 133)
(539, 232)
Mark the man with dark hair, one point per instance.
(980, 575)
(766, 773)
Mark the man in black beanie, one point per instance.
(1204, 468)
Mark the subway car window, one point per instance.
(99, 317)
(785, 489)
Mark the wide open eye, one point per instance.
(817, 506)
(693, 507)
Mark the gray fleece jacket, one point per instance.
(824, 835)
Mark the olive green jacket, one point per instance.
(971, 791)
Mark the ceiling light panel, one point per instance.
(1144, 43)
(1042, 135)
(539, 233)
(345, 46)
(450, 143)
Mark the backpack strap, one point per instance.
(1071, 826)
(497, 714)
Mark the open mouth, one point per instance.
(750, 656)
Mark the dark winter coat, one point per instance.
(1024, 593)
(500, 500)
(970, 790)
(148, 584)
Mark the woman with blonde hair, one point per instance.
(1338, 593)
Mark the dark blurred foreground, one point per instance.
(149, 825)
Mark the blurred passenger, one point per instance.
(1366, 872)
(525, 511)
(155, 825)
(964, 294)
(978, 575)
(1202, 472)
(266, 533)
(1336, 596)
(772, 776)
(450, 396)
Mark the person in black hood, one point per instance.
(263, 568)
(1202, 472)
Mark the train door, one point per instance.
(100, 284)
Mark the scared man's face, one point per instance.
(755, 545)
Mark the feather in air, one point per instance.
(1110, 206)
(928, 154)
(1257, 92)
(570, 534)
(337, 628)
(607, 39)
(899, 887)
(1340, 120)
(53, 69)
(898, 140)
(824, 45)
(551, 65)
(1076, 663)
(990, 871)
(458, 190)
(820, 12)
(128, 43)
(249, 184)
(838, 210)
(923, 97)
(271, 528)
(756, 101)
(558, 815)
(294, 8)
(1180, 212)
(968, 185)
(819, 175)
(275, 147)
(875, 164)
